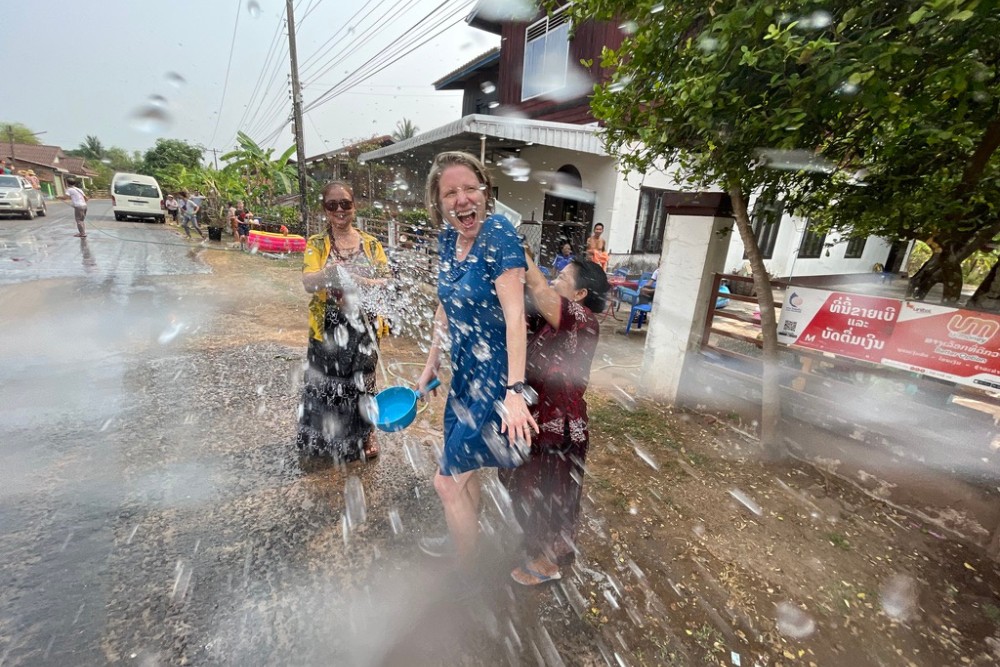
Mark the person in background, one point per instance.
(172, 205)
(546, 490)
(189, 215)
(340, 267)
(234, 220)
(79, 201)
(481, 310)
(243, 221)
(564, 257)
(597, 247)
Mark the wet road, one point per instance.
(152, 511)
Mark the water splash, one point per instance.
(745, 500)
(355, 506)
(488, 87)
(517, 168)
(171, 333)
(175, 79)
(151, 118)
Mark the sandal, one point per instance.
(371, 451)
(524, 575)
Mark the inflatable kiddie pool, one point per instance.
(271, 242)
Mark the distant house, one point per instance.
(526, 111)
(51, 165)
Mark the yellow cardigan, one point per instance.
(318, 249)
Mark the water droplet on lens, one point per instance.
(253, 7)
(151, 119)
(174, 79)
(629, 27)
(818, 20)
(395, 522)
(746, 501)
(493, 105)
(847, 89)
(158, 100)
(656, 9)
(793, 622)
(898, 597)
(515, 167)
(488, 87)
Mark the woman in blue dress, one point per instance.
(480, 317)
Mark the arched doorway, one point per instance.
(568, 212)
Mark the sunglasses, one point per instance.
(332, 204)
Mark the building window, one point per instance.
(812, 243)
(546, 55)
(765, 222)
(855, 247)
(649, 222)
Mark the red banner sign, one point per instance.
(960, 346)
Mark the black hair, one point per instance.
(591, 277)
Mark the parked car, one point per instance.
(17, 196)
(137, 196)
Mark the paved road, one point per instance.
(151, 508)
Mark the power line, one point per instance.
(260, 77)
(225, 84)
(384, 58)
(359, 76)
(308, 62)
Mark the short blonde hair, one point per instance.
(451, 159)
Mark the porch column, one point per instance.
(694, 247)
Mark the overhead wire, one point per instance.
(308, 61)
(388, 56)
(376, 65)
(260, 78)
(225, 84)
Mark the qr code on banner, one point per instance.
(789, 326)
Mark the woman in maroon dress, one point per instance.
(546, 490)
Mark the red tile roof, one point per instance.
(52, 157)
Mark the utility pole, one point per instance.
(215, 157)
(10, 136)
(300, 146)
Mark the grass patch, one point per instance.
(839, 541)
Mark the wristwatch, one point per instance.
(517, 387)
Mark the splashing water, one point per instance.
(795, 160)
(629, 27)
(355, 507)
(395, 522)
(253, 8)
(488, 87)
(170, 333)
(646, 457)
(793, 622)
(621, 84)
(341, 335)
(368, 407)
(517, 168)
(507, 10)
(745, 500)
(817, 20)
(898, 597)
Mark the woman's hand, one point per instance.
(430, 372)
(517, 420)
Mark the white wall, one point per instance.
(528, 197)
(786, 263)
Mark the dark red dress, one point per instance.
(546, 490)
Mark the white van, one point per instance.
(137, 196)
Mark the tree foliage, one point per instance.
(404, 130)
(169, 152)
(19, 132)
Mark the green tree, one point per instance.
(90, 148)
(808, 98)
(18, 133)
(264, 176)
(404, 130)
(169, 152)
(917, 146)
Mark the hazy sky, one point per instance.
(87, 67)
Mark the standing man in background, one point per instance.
(79, 201)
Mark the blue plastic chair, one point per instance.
(641, 310)
(629, 295)
(721, 301)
